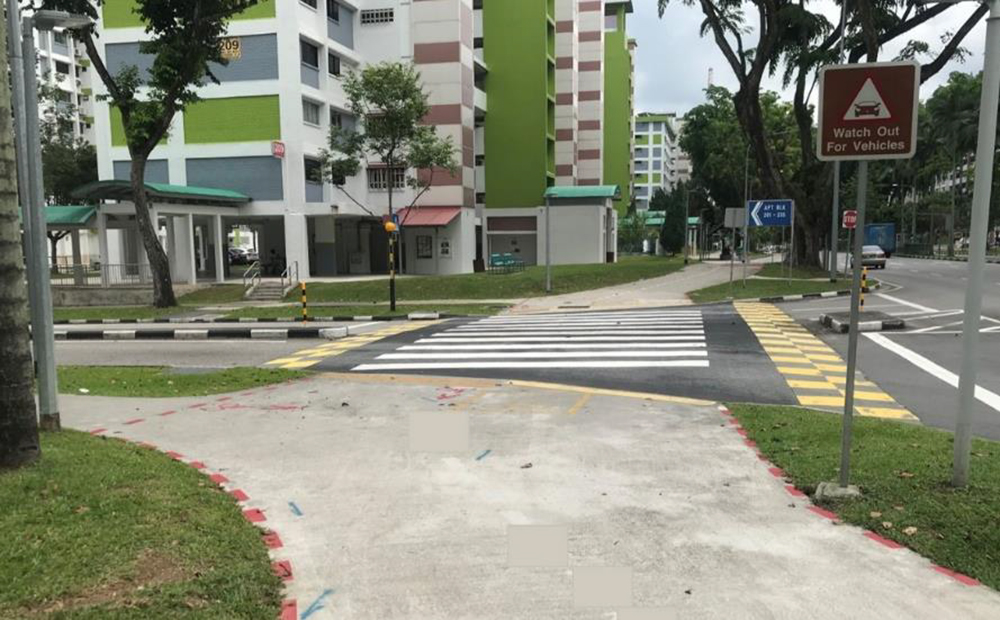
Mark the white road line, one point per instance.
(694, 317)
(466, 355)
(590, 315)
(473, 328)
(619, 339)
(687, 319)
(936, 315)
(522, 365)
(990, 399)
(588, 332)
(553, 345)
(907, 303)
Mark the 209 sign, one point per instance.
(231, 47)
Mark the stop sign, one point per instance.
(850, 218)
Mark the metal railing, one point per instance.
(290, 276)
(133, 274)
(251, 277)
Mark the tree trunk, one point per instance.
(18, 419)
(748, 111)
(159, 264)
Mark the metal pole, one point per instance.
(548, 245)
(977, 245)
(791, 231)
(746, 213)
(834, 236)
(41, 327)
(852, 335)
(687, 218)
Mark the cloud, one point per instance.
(673, 61)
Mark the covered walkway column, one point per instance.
(102, 241)
(78, 268)
(220, 269)
(297, 243)
(187, 271)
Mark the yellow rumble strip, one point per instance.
(312, 356)
(815, 372)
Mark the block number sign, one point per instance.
(232, 48)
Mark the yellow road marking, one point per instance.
(790, 359)
(877, 396)
(310, 357)
(822, 401)
(808, 372)
(886, 412)
(578, 405)
(810, 385)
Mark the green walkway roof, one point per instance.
(584, 191)
(162, 192)
(68, 215)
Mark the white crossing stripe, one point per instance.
(538, 355)
(606, 340)
(515, 364)
(551, 345)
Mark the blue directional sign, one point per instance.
(770, 212)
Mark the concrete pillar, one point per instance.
(171, 246)
(297, 243)
(184, 235)
(219, 238)
(78, 267)
(102, 241)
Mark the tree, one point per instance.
(388, 104)
(18, 421)
(631, 233)
(800, 40)
(674, 229)
(183, 41)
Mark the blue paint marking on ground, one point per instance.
(483, 455)
(295, 509)
(315, 605)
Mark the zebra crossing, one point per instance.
(618, 340)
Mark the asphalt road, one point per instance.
(707, 353)
(918, 366)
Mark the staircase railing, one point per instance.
(290, 276)
(251, 277)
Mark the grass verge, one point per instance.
(529, 283)
(903, 471)
(764, 288)
(115, 312)
(366, 310)
(157, 382)
(99, 528)
(777, 270)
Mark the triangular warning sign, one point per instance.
(868, 105)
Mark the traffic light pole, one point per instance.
(977, 246)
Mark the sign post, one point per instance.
(866, 112)
(735, 218)
(772, 213)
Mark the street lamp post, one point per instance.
(977, 245)
(29, 152)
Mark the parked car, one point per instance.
(238, 256)
(252, 256)
(872, 256)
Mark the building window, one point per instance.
(611, 23)
(376, 16)
(378, 179)
(309, 3)
(314, 171)
(657, 152)
(640, 153)
(62, 67)
(60, 38)
(477, 43)
(336, 119)
(642, 126)
(310, 112)
(333, 64)
(332, 10)
(310, 54)
(425, 246)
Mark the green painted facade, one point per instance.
(233, 119)
(618, 110)
(519, 38)
(121, 13)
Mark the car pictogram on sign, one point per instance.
(868, 108)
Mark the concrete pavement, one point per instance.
(422, 497)
(668, 290)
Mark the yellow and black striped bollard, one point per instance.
(305, 306)
(864, 285)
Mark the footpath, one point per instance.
(421, 497)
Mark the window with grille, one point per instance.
(333, 10)
(62, 68)
(378, 179)
(310, 112)
(376, 16)
(333, 64)
(336, 118)
(310, 54)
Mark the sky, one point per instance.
(673, 61)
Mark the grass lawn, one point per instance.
(99, 528)
(529, 283)
(215, 294)
(156, 382)
(903, 471)
(777, 270)
(764, 288)
(380, 310)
